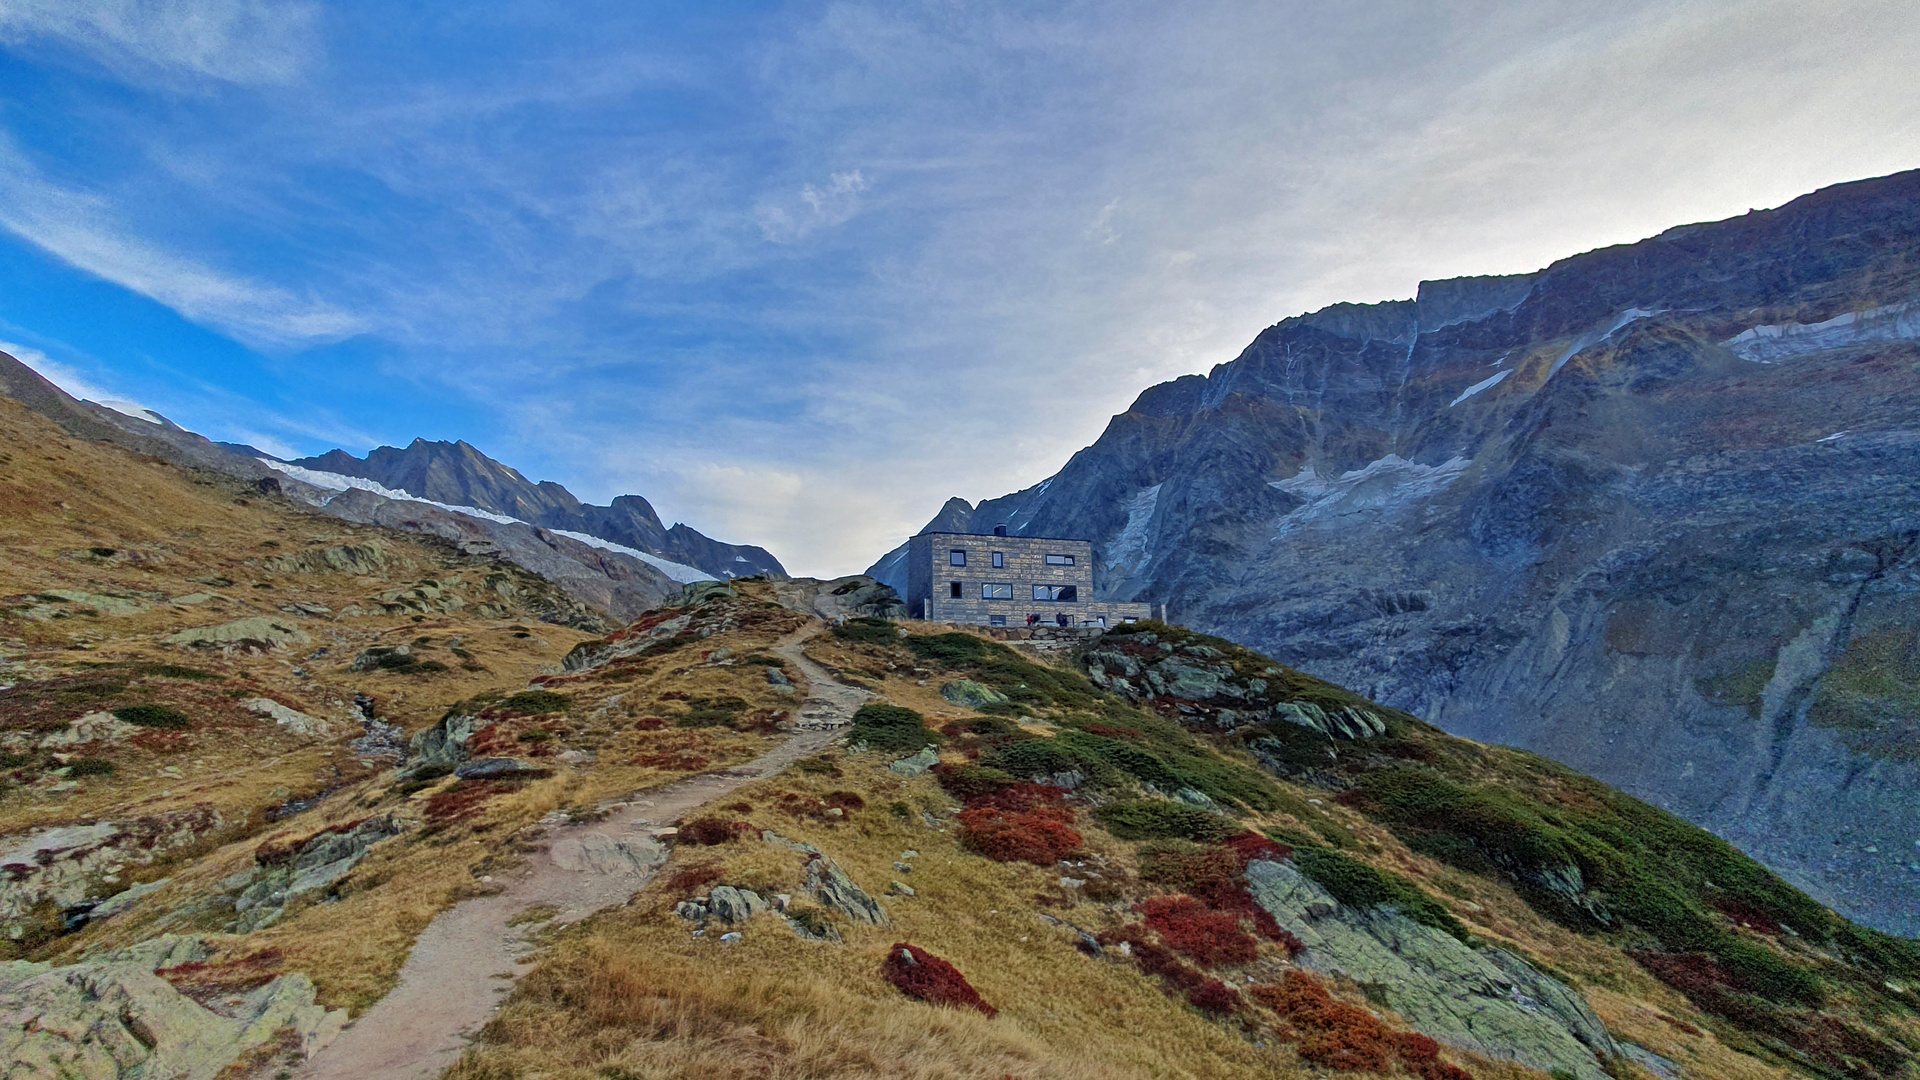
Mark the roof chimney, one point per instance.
(999, 530)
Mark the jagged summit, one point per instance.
(457, 473)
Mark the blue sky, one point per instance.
(799, 272)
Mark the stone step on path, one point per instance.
(471, 955)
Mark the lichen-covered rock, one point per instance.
(62, 868)
(972, 695)
(293, 720)
(444, 745)
(316, 866)
(261, 631)
(732, 905)
(917, 765)
(1342, 722)
(832, 888)
(111, 1017)
(1486, 1000)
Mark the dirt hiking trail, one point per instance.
(471, 955)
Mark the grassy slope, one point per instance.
(633, 994)
(60, 500)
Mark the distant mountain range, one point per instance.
(618, 561)
(457, 474)
(1653, 510)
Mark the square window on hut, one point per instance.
(1059, 560)
(956, 557)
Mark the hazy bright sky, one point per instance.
(799, 272)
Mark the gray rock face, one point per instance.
(833, 889)
(1486, 1000)
(260, 632)
(112, 1017)
(1653, 511)
(917, 765)
(261, 897)
(65, 867)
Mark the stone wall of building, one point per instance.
(931, 576)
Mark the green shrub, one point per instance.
(1160, 819)
(1768, 974)
(90, 766)
(536, 702)
(536, 735)
(891, 727)
(1032, 757)
(177, 671)
(1021, 680)
(711, 712)
(868, 631)
(428, 666)
(1359, 885)
(153, 716)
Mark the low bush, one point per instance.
(1208, 938)
(1358, 885)
(692, 879)
(90, 766)
(923, 976)
(1336, 1035)
(1040, 836)
(535, 702)
(1160, 819)
(891, 727)
(153, 716)
(176, 671)
(711, 712)
(710, 831)
(969, 782)
(868, 631)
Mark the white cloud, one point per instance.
(61, 375)
(236, 41)
(814, 208)
(82, 229)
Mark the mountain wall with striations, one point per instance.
(1653, 511)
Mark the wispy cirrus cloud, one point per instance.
(237, 41)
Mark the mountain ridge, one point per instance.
(460, 474)
(1670, 482)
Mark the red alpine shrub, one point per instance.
(923, 976)
(1251, 845)
(708, 831)
(1036, 836)
(1341, 1036)
(1208, 938)
(1215, 997)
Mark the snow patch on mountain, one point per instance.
(1388, 485)
(1483, 384)
(327, 481)
(1130, 547)
(1782, 341)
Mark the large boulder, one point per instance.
(112, 1017)
(1482, 999)
(833, 889)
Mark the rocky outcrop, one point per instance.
(854, 597)
(1481, 999)
(50, 879)
(261, 895)
(1653, 511)
(112, 1017)
(834, 890)
(261, 632)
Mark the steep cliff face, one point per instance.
(458, 474)
(1654, 510)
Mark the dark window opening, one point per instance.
(956, 557)
(993, 591)
(1059, 560)
(1058, 593)
(996, 620)
(999, 560)
(953, 588)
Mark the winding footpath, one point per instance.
(472, 954)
